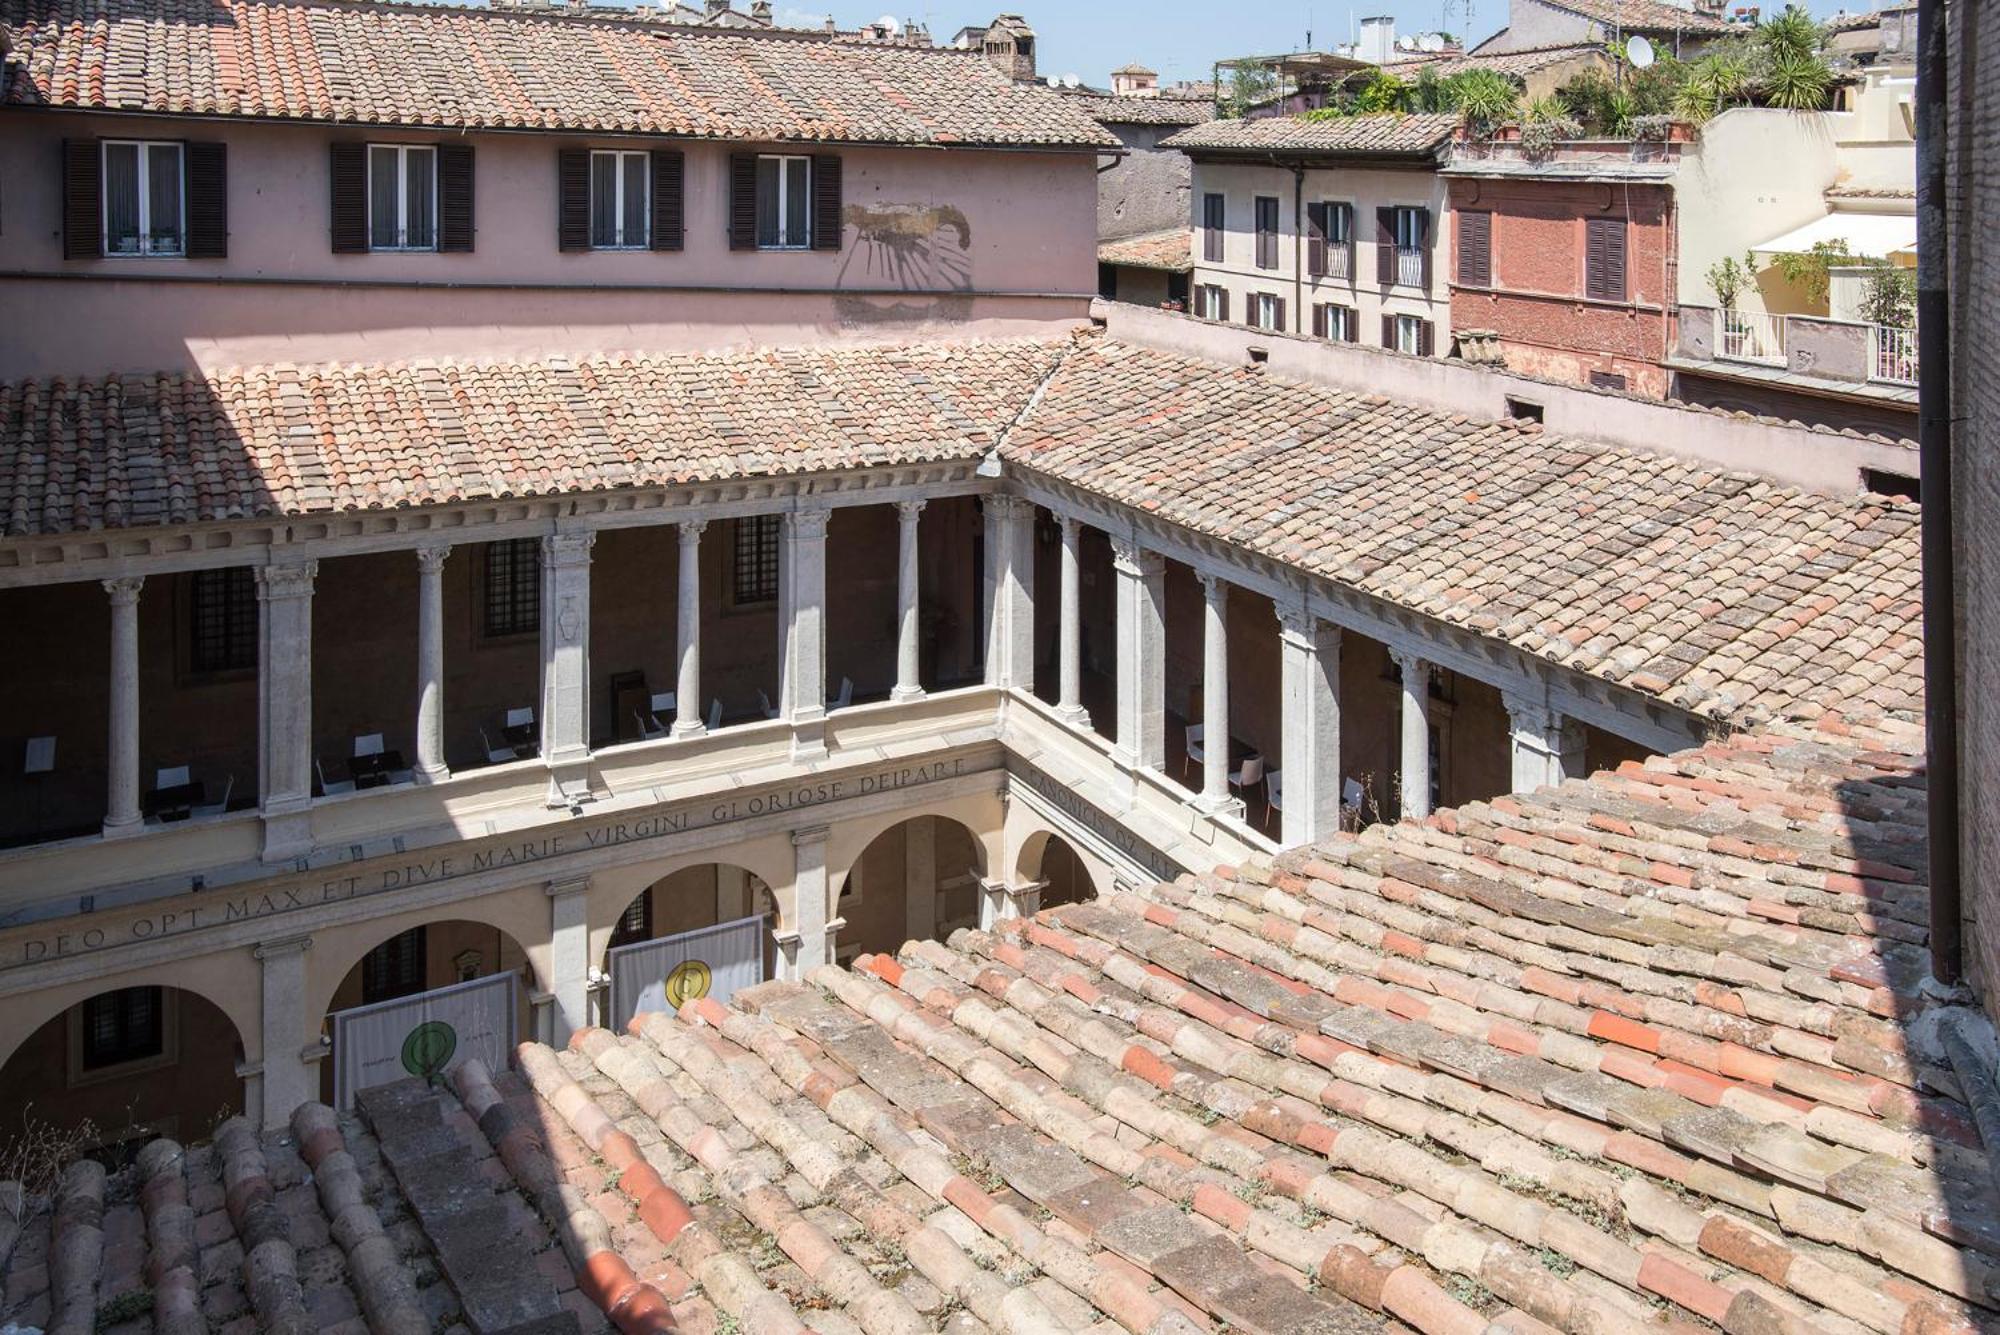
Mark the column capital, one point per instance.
(430, 558)
(1070, 525)
(1006, 505)
(289, 579)
(282, 946)
(810, 835)
(1414, 666)
(1213, 586)
(691, 530)
(1527, 713)
(567, 549)
(1300, 623)
(807, 522)
(124, 590)
(908, 511)
(567, 886)
(1128, 557)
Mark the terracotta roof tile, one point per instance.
(423, 65)
(1144, 110)
(1345, 134)
(1515, 63)
(1170, 250)
(1650, 15)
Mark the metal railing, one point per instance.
(1894, 355)
(1750, 336)
(1410, 266)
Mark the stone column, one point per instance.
(999, 901)
(802, 624)
(1069, 705)
(566, 663)
(809, 909)
(284, 706)
(430, 766)
(1215, 796)
(1547, 747)
(121, 806)
(1010, 578)
(908, 683)
(569, 955)
(1414, 777)
(687, 615)
(920, 878)
(1142, 641)
(1309, 651)
(288, 1079)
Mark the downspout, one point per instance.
(1934, 462)
(1298, 249)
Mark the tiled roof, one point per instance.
(1729, 595)
(1637, 1054)
(1650, 15)
(135, 451)
(1514, 63)
(1171, 250)
(1346, 134)
(361, 63)
(1144, 110)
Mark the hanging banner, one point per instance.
(665, 974)
(424, 1035)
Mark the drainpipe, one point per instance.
(1934, 461)
(1298, 250)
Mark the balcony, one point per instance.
(1809, 368)
(1410, 266)
(1895, 355)
(1749, 336)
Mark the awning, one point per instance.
(1877, 235)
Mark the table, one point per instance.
(520, 736)
(377, 770)
(177, 802)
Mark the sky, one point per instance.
(1179, 38)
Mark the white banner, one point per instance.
(663, 974)
(424, 1035)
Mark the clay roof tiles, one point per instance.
(1649, 15)
(473, 68)
(1144, 110)
(1388, 133)
(1171, 249)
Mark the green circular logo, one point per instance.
(428, 1048)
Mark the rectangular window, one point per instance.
(1213, 228)
(618, 201)
(1267, 232)
(784, 192)
(1410, 335)
(222, 620)
(1335, 323)
(123, 1026)
(1330, 239)
(143, 213)
(1412, 236)
(1475, 247)
(754, 560)
(396, 968)
(636, 923)
(1604, 259)
(402, 197)
(1211, 302)
(513, 595)
(1606, 380)
(1267, 311)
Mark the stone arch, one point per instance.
(917, 877)
(1070, 876)
(231, 981)
(982, 815)
(769, 858)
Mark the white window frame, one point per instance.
(1410, 256)
(1344, 212)
(142, 151)
(1208, 301)
(1343, 322)
(784, 242)
(1414, 324)
(402, 152)
(617, 157)
(1263, 304)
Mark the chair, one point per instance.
(1248, 774)
(496, 755)
(40, 757)
(174, 776)
(337, 786)
(1350, 794)
(662, 706)
(218, 808)
(368, 744)
(715, 713)
(521, 718)
(764, 703)
(846, 696)
(1196, 754)
(1274, 790)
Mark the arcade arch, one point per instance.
(918, 879)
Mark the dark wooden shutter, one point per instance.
(1426, 332)
(348, 191)
(1278, 315)
(1347, 213)
(573, 199)
(1319, 319)
(205, 183)
(1213, 218)
(669, 198)
(454, 166)
(1424, 244)
(1385, 246)
(1475, 247)
(1389, 332)
(743, 201)
(826, 223)
(83, 199)
(1604, 259)
(1316, 240)
(1222, 298)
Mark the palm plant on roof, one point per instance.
(1485, 98)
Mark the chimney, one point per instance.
(715, 7)
(829, 23)
(761, 9)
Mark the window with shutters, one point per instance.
(222, 620)
(402, 197)
(619, 200)
(1412, 235)
(1267, 232)
(1210, 302)
(121, 1027)
(1410, 335)
(1604, 259)
(1330, 239)
(512, 601)
(1475, 247)
(753, 552)
(1336, 323)
(144, 212)
(396, 968)
(1214, 227)
(784, 196)
(1267, 310)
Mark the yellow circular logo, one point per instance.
(688, 982)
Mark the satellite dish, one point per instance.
(888, 23)
(1071, 81)
(1431, 41)
(1639, 52)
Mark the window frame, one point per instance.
(752, 530)
(1215, 230)
(1274, 232)
(1208, 301)
(617, 157)
(784, 243)
(375, 989)
(236, 618)
(1343, 322)
(523, 610)
(1620, 226)
(1259, 304)
(402, 152)
(1415, 324)
(625, 932)
(167, 1015)
(142, 153)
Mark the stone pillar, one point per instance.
(687, 613)
(430, 766)
(802, 626)
(1309, 651)
(1414, 776)
(284, 706)
(999, 901)
(1142, 668)
(1010, 580)
(908, 683)
(288, 1079)
(1069, 705)
(1547, 747)
(121, 806)
(566, 663)
(809, 910)
(569, 955)
(920, 886)
(1215, 796)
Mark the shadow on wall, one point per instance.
(900, 246)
